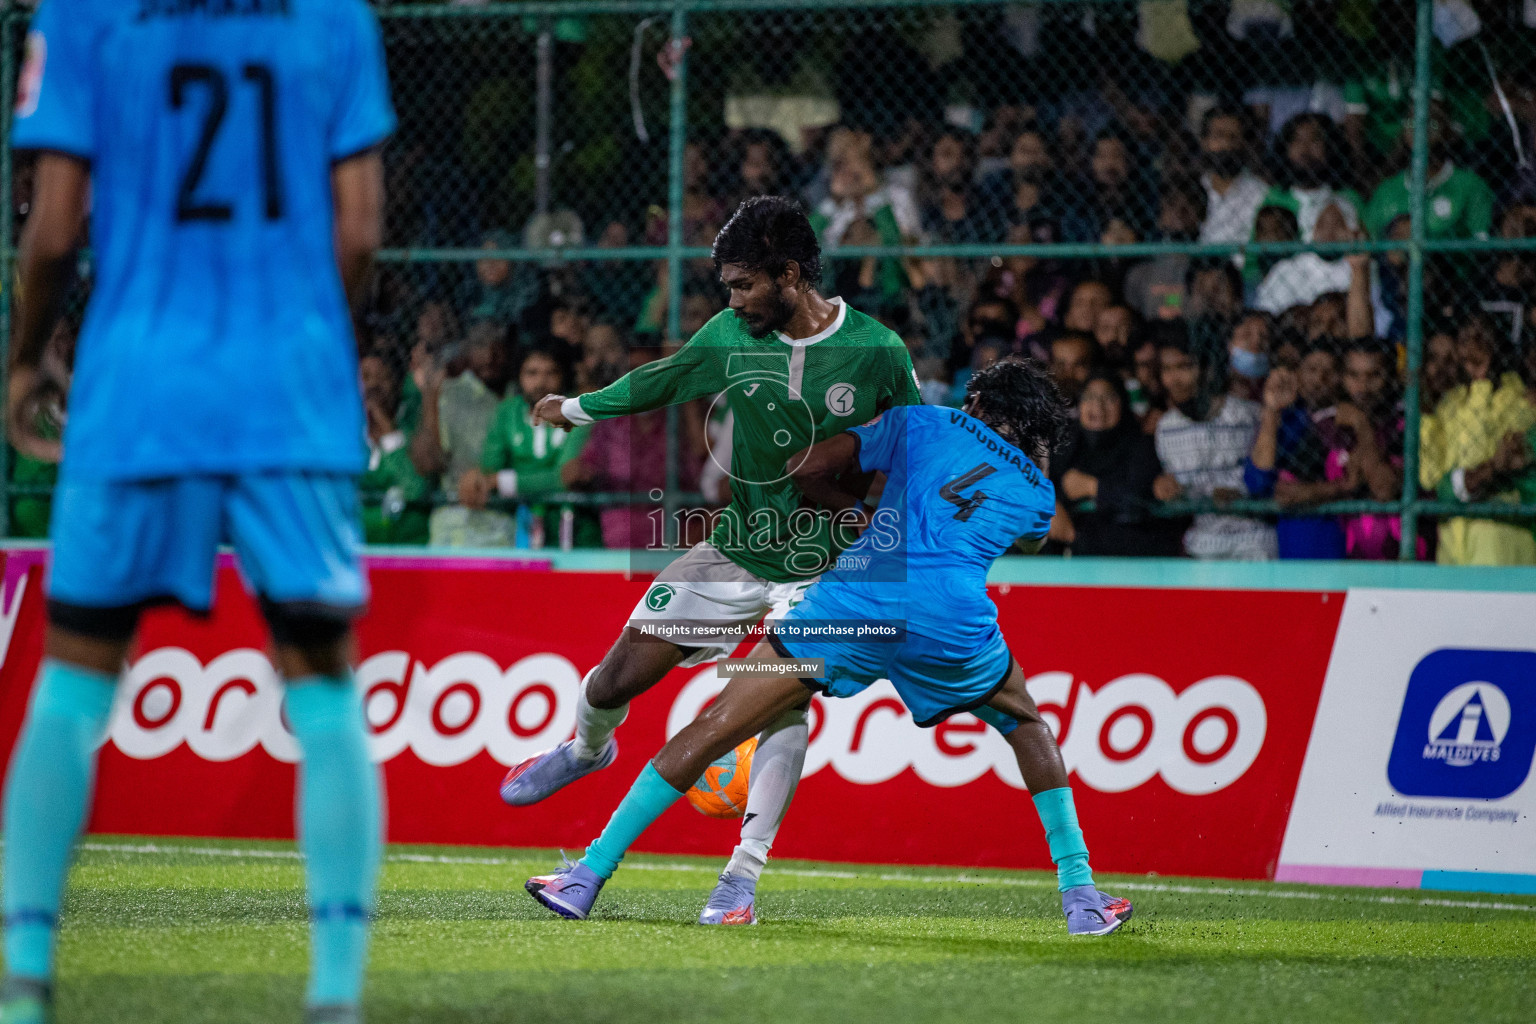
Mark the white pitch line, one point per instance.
(961, 879)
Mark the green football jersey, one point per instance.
(1460, 204)
(785, 395)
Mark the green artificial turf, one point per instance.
(176, 931)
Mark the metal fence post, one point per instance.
(677, 138)
(1418, 172)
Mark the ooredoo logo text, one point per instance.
(1115, 737)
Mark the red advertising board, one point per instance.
(1184, 717)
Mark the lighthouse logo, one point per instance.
(1468, 725)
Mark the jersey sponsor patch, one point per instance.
(840, 398)
(30, 88)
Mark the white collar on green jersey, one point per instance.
(831, 329)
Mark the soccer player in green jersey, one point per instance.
(795, 368)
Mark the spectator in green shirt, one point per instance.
(396, 517)
(1377, 103)
(522, 461)
(1460, 203)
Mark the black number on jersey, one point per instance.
(211, 79)
(950, 492)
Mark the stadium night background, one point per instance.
(622, 316)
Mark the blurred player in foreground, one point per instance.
(228, 154)
(795, 368)
(963, 488)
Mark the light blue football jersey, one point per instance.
(957, 496)
(217, 338)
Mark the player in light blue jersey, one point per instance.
(962, 489)
(228, 154)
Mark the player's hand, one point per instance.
(548, 411)
(23, 399)
(474, 489)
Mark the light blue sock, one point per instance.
(647, 798)
(1068, 851)
(339, 831)
(46, 798)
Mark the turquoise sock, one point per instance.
(647, 798)
(1068, 851)
(46, 797)
(339, 831)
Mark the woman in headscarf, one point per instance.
(1111, 463)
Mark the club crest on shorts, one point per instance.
(840, 398)
(659, 596)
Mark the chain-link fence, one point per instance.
(1280, 254)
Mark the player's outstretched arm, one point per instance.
(548, 411)
(693, 371)
(52, 233)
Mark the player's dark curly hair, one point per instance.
(765, 233)
(1019, 399)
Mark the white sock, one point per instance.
(595, 726)
(776, 771)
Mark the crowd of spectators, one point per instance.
(1203, 386)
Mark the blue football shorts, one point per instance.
(123, 543)
(934, 678)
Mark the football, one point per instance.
(721, 791)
